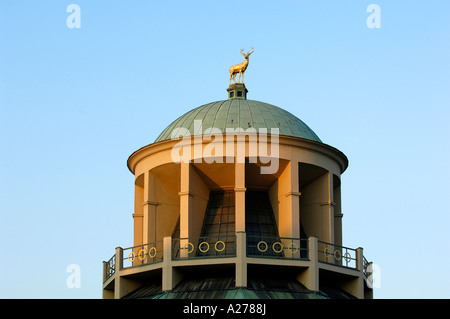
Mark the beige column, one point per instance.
(186, 206)
(359, 259)
(355, 287)
(149, 209)
(241, 260)
(170, 276)
(327, 208)
(289, 205)
(119, 259)
(122, 286)
(186, 201)
(107, 294)
(239, 191)
(138, 216)
(105, 270)
(310, 276)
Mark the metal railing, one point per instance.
(110, 267)
(226, 246)
(142, 254)
(277, 247)
(337, 255)
(366, 271)
(204, 247)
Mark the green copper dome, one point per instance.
(240, 113)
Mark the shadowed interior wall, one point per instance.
(337, 210)
(165, 189)
(313, 215)
(194, 197)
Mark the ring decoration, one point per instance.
(279, 250)
(152, 255)
(262, 242)
(219, 250)
(293, 245)
(141, 254)
(200, 247)
(347, 257)
(340, 254)
(189, 250)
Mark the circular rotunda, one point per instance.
(237, 199)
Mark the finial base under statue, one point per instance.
(237, 91)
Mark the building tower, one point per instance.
(237, 199)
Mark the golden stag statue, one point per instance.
(240, 68)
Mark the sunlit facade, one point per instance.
(237, 199)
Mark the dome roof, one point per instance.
(222, 286)
(241, 113)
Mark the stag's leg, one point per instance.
(239, 80)
(243, 77)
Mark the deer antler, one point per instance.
(253, 50)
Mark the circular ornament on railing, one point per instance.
(223, 248)
(340, 255)
(262, 242)
(131, 259)
(347, 257)
(152, 255)
(189, 250)
(203, 250)
(141, 254)
(281, 247)
(293, 245)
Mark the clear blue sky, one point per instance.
(75, 103)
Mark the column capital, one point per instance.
(240, 189)
(293, 193)
(150, 202)
(185, 193)
(192, 194)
